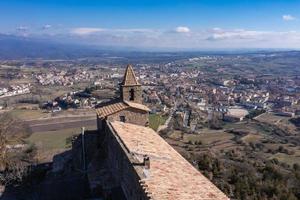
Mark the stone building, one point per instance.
(130, 89)
(128, 108)
(133, 162)
(146, 167)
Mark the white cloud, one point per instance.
(217, 29)
(22, 28)
(95, 31)
(239, 38)
(164, 38)
(236, 34)
(132, 30)
(210, 38)
(182, 29)
(86, 31)
(47, 26)
(288, 17)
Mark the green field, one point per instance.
(49, 143)
(156, 120)
(52, 139)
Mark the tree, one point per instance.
(14, 161)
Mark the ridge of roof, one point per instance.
(137, 106)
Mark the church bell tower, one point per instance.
(130, 89)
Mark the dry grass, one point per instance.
(28, 114)
(49, 143)
(270, 118)
(249, 127)
(288, 159)
(208, 137)
(252, 138)
(280, 121)
(176, 135)
(52, 139)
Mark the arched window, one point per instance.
(131, 93)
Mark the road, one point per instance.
(166, 124)
(52, 124)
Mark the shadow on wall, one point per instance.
(60, 179)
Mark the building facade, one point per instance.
(136, 161)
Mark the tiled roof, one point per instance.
(137, 106)
(129, 77)
(170, 176)
(115, 107)
(111, 109)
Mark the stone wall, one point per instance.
(120, 163)
(132, 115)
(137, 93)
(100, 124)
(91, 145)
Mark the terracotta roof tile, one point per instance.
(111, 109)
(115, 107)
(170, 176)
(137, 106)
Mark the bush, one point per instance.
(199, 142)
(30, 149)
(70, 140)
(296, 166)
(14, 163)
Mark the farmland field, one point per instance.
(49, 143)
(156, 120)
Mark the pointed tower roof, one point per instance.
(129, 77)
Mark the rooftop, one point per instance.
(237, 112)
(170, 176)
(117, 106)
(111, 109)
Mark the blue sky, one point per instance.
(157, 23)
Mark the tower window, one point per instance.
(122, 118)
(131, 93)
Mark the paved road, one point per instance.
(56, 123)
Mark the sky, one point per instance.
(173, 24)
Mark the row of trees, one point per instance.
(248, 181)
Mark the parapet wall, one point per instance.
(147, 167)
(122, 168)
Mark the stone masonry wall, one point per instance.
(132, 115)
(121, 167)
(137, 93)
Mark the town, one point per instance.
(149, 100)
(204, 106)
(231, 95)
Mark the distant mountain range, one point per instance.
(19, 47)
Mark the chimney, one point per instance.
(147, 162)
